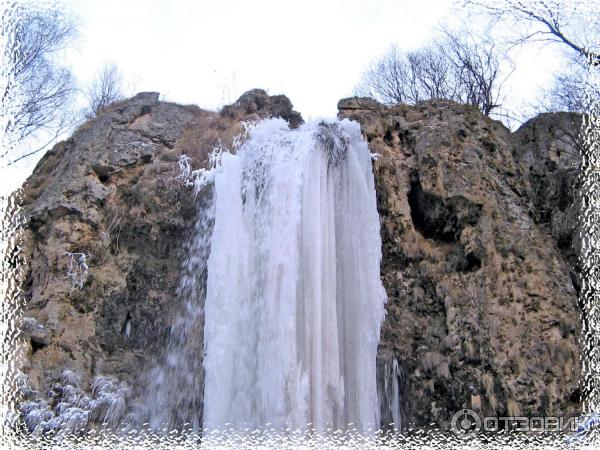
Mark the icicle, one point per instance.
(294, 300)
(281, 288)
(389, 384)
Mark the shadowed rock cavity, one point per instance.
(438, 218)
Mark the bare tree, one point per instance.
(107, 88)
(38, 91)
(550, 21)
(571, 90)
(555, 22)
(453, 67)
(477, 70)
(409, 77)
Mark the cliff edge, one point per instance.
(479, 252)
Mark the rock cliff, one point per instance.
(479, 251)
(482, 310)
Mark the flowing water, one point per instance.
(282, 290)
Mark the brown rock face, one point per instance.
(257, 101)
(482, 312)
(477, 250)
(547, 151)
(106, 219)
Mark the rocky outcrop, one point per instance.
(482, 310)
(547, 151)
(257, 102)
(106, 215)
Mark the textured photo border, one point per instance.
(589, 220)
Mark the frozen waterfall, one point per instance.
(292, 297)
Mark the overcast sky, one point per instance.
(208, 52)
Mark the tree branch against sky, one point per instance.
(453, 66)
(37, 90)
(105, 89)
(572, 90)
(548, 21)
(571, 27)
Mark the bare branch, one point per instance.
(39, 91)
(547, 17)
(571, 90)
(107, 88)
(453, 67)
(59, 130)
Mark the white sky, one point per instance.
(211, 51)
(208, 52)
